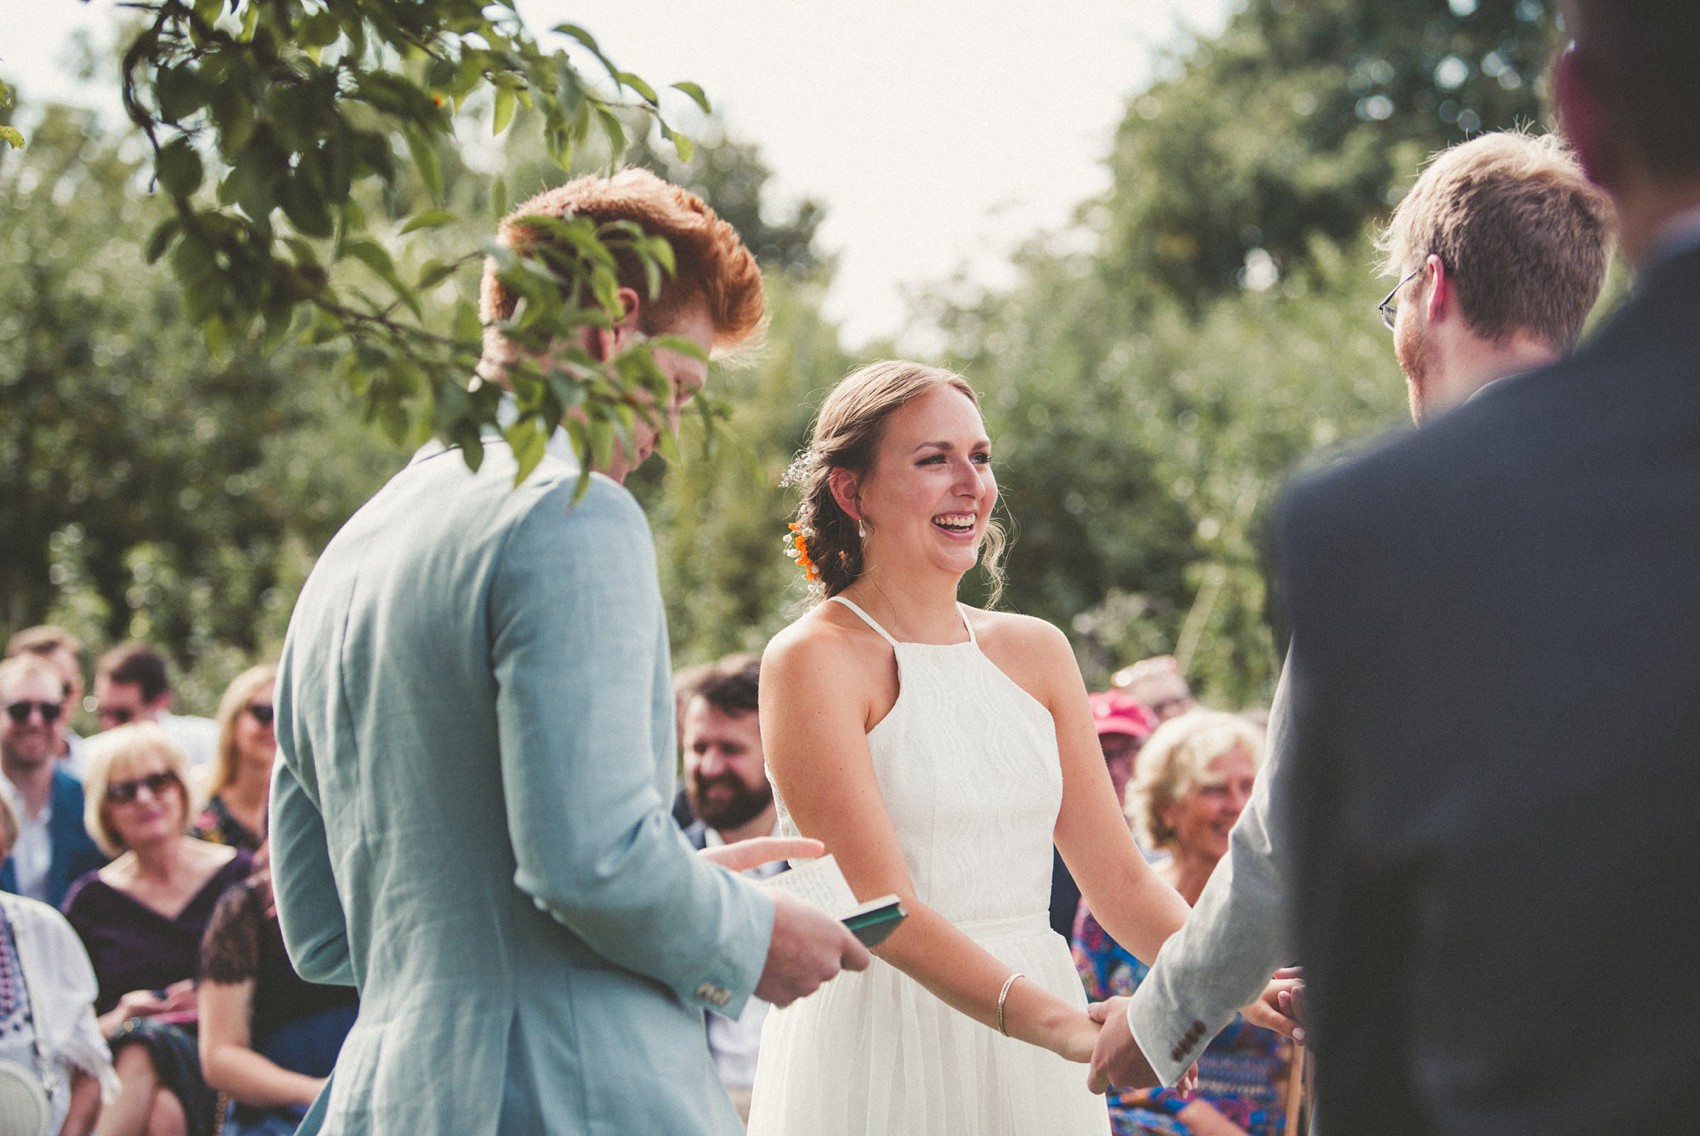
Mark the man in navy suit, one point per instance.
(1499, 251)
(1496, 658)
(53, 847)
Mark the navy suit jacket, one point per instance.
(1496, 748)
(74, 853)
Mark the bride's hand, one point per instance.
(1079, 1038)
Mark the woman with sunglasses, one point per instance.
(142, 918)
(242, 772)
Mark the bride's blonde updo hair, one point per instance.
(847, 432)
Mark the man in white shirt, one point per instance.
(131, 684)
(726, 783)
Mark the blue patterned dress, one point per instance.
(1241, 1074)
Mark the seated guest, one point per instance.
(268, 1038)
(64, 653)
(1193, 778)
(726, 784)
(142, 918)
(52, 847)
(133, 684)
(242, 766)
(48, 1033)
(1158, 685)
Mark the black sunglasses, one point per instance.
(261, 712)
(20, 711)
(123, 792)
(116, 717)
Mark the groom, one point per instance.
(476, 752)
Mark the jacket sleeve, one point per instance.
(315, 930)
(577, 641)
(1237, 934)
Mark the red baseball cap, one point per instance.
(1115, 712)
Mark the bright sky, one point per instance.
(939, 134)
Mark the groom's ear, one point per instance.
(846, 490)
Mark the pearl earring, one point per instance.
(861, 530)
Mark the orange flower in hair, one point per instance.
(797, 548)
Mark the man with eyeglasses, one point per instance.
(1501, 249)
(132, 684)
(1501, 246)
(53, 848)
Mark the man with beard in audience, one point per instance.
(726, 783)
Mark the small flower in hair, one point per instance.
(797, 548)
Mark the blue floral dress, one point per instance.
(1241, 1074)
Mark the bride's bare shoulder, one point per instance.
(826, 639)
(1004, 630)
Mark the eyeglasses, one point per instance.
(1388, 308)
(123, 792)
(20, 711)
(261, 712)
(116, 717)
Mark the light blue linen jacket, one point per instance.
(470, 818)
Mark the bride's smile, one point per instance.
(930, 492)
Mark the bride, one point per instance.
(937, 750)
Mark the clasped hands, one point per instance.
(1117, 1060)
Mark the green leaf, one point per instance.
(696, 95)
(506, 104)
(429, 219)
(179, 168)
(10, 136)
(160, 239)
(181, 92)
(684, 146)
(372, 255)
(636, 83)
(611, 126)
(527, 442)
(579, 34)
(434, 273)
(426, 162)
(321, 29)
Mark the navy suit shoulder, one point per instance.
(1496, 643)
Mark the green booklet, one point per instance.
(821, 883)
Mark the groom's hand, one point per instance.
(1117, 1059)
(742, 855)
(808, 947)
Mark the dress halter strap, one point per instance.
(867, 619)
(886, 635)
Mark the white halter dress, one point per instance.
(967, 763)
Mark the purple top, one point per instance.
(134, 947)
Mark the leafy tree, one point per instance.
(263, 120)
(146, 488)
(1149, 395)
(1306, 119)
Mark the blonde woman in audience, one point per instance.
(1193, 779)
(141, 919)
(235, 813)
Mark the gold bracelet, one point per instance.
(1004, 994)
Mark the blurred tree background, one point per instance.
(1150, 381)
